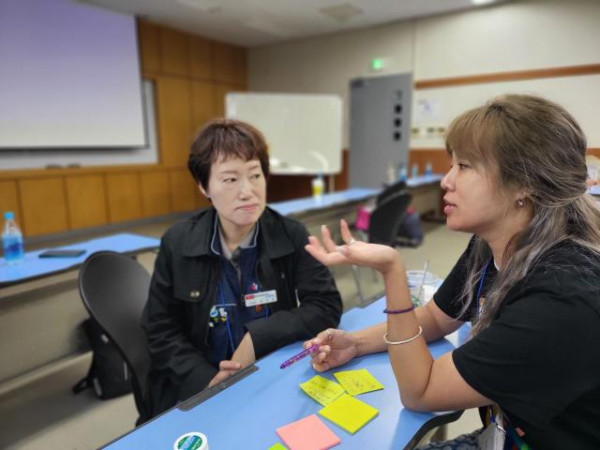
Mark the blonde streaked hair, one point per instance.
(535, 146)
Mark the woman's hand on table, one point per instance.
(336, 347)
(226, 369)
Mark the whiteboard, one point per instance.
(23, 159)
(303, 132)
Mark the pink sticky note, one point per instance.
(309, 433)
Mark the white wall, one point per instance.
(518, 35)
(327, 64)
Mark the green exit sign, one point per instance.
(377, 64)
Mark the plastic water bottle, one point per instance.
(414, 171)
(318, 186)
(402, 173)
(12, 239)
(428, 168)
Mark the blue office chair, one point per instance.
(114, 289)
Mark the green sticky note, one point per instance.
(322, 390)
(349, 413)
(277, 446)
(357, 382)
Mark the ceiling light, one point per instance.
(341, 13)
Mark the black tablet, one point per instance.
(61, 253)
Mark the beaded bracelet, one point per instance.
(398, 311)
(405, 341)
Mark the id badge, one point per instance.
(493, 436)
(260, 298)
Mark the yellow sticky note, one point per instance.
(322, 390)
(358, 381)
(278, 446)
(349, 413)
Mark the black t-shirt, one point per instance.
(540, 358)
(448, 295)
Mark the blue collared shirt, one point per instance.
(229, 315)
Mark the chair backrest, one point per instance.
(114, 289)
(398, 186)
(387, 218)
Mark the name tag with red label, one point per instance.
(260, 298)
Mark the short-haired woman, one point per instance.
(234, 282)
(529, 281)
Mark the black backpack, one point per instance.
(109, 374)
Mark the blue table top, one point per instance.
(246, 414)
(32, 266)
(307, 204)
(594, 190)
(424, 180)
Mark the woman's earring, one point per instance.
(520, 203)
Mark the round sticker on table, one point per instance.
(191, 441)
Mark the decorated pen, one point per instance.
(299, 356)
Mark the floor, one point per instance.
(45, 414)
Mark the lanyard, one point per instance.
(222, 298)
(479, 307)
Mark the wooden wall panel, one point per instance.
(87, 201)
(224, 66)
(201, 58)
(594, 152)
(220, 90)
(149, 44)
(440, 161)
(287, 187)
(192, 75)
(174, 119)
(124, 197)
(341, 179)
(184, 191)
(518, 75)
(9, 201)
(43, 205)
(174, 52)
(203, 103)
(230, 63)
(202, 202)
(155, 193)
(240, 64)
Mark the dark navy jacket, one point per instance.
(184, 288)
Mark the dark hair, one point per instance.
(226, 139)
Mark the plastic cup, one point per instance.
(430, 282)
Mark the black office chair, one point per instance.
(114, 289)
(384, 225)
(390, 190)
(387, 218)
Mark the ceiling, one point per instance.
(251, 23)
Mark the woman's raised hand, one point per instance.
(379, 257)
